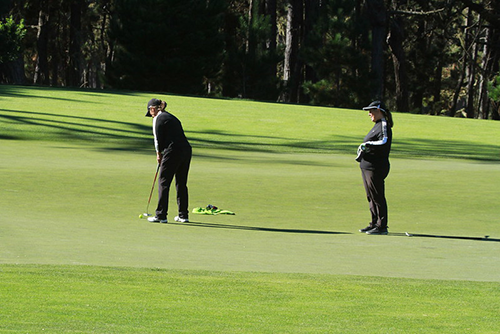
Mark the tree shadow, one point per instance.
(128, 136)
(343, 144)
(18, 91)
(452, 149)
(256, 228)
(30, 120)
(134, 136)
(71, 127)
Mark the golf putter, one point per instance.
(147, 214)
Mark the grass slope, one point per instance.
(76, 171)
(120, 300)
(115, 120)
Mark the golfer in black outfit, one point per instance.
(373, 156)
(173, 153)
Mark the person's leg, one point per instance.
(379, 200)
(375, 185)
(181, 178)
(368, 183)
(167, 171)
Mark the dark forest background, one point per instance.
(438, 57)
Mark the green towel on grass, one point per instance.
(212, 210)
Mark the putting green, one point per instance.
(77, 168)
(295, 213)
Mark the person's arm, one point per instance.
(157, 145)
(384, 137)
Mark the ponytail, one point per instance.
(388, 118)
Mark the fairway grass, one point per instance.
(66, 204)
(76, 170)
(85, 299)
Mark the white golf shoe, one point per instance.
(181, 220)
(157, 220)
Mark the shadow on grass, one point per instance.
(415, 148)
(300, 231)
(132, 136)
(27, 118)
(407, 234)
(403, 148)
(254, 228)
(454, 149)
(75, 128)
(19, 91)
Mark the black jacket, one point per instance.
(378, 146)
(169, 134)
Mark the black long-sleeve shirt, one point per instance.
(378, 142)
(168, 133)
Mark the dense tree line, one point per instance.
(438, 57)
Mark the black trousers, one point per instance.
(176, 164)
(374, 182)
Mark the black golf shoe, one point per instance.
(366, 229)
(378, 231)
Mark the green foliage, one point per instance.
(11, 38)
(494, 89)
(338, 52)
(173, 46)
(250, 65)
(431, 44)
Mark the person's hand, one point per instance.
(158, 157)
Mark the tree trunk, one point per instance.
(232, 78)
(100, 62)
(271, 11)
(465, 69)
(42, 67)
(456, 95)
(75, 68)
(438, 75)
(312, 10)
(436, 105)
(494, 58)
(471, 66)
(378, 19)
(291, 51)
(249, 34)
(298, 68)
(484, 76)
(491, 55)
(57, 62)
(395, 40)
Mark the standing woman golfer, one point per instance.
(373, 158)
(173, 153)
